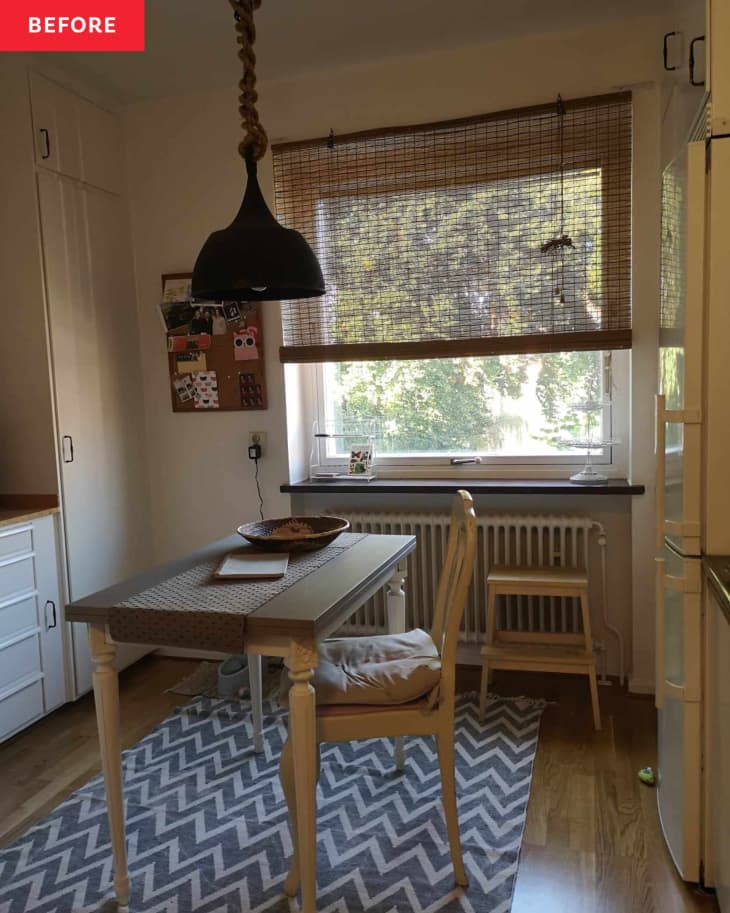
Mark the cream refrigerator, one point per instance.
(693, 459)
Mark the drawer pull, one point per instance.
(54, 623)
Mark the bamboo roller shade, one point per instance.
(430, 236)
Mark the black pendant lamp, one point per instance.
(254, 258)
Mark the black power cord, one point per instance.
(254, 453)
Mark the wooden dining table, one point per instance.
(181, 603)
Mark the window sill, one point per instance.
(477, 486)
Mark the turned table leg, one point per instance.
(396, 608)
(303, 734)
(106, 698)
(257, 697)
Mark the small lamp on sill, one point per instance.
(254, 258)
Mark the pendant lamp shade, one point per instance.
(255, 258)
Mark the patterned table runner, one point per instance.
(194, 609)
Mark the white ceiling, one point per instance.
(191, 43)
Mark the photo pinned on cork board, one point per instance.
(221, 341)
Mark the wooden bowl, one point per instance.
(293, 534)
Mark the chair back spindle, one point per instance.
(454, 583)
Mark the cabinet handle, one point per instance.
(692, 80)
(47, 143)
(68, 452)
(52, 604)
(666, 51)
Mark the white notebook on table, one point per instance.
(251, 565)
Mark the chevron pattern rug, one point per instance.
(207, 825)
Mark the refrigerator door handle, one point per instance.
(671, 689)
(664, 686)
(659, 660)
(660, 445)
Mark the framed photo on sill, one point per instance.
(361, 460)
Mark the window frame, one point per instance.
(613, 459)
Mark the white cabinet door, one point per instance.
(75, 137)
(678, 628)
(101, 146)
(55, 127)
(720, 66)
(94, 344)
(679, 783)
(685, 84)
(681, 321)
(678, 694)
(50, 613)
(716, 416)
(718, 784)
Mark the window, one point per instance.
(477, 273)
(515, 409)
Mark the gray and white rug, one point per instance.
(207, 824)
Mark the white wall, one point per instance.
(186, 180)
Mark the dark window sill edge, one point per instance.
(477, 486)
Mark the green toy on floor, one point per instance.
(646, 775)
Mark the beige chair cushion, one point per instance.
(388, 669)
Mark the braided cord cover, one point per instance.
(255, 141)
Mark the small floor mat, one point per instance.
(203, 681)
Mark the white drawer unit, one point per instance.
(17, 575)
(18, 542)
(19, 658)
(18, 613)
(32, 651)
(20, 705)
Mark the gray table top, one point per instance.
(306, 608)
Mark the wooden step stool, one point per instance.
(539, 651)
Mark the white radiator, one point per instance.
(512, 539)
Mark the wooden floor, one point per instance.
(591, 844)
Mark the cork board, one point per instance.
(214, 350)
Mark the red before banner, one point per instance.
(72, 25)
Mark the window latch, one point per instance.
(464, 461)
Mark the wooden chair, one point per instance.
(539, 651)
(415, 665)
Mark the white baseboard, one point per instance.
(190, 653)
(641, 685)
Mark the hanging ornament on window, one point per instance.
(556, 247)
(568, 254)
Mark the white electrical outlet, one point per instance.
(258, 437)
